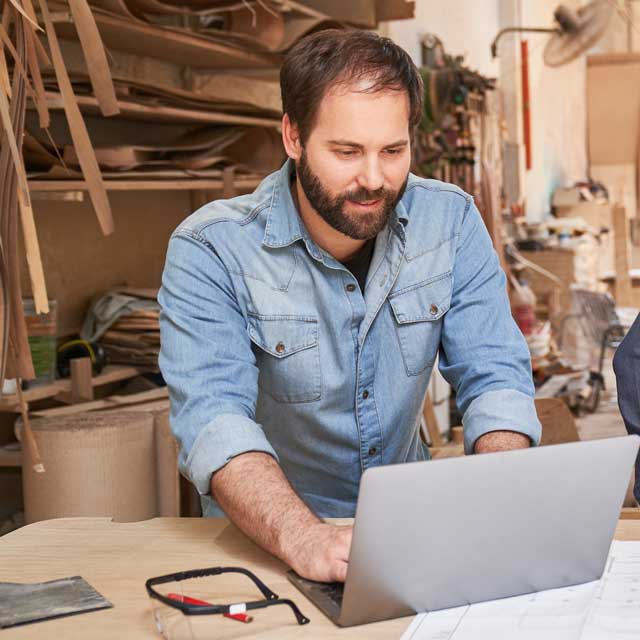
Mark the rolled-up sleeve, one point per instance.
(483, 354)
(207, 361)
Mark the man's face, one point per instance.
(353, 168)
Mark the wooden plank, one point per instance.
(111, 373)
(558, 423)
(394, 10)
(78, 130)
(95, 56)
(358, 12)
(613, 104)
(612, 58)
(137, 110)
(10, 457)
(623, 294)
(18, 356)
(81, 385)
(141, 185)
(32, 56)
(166, 43)
(433, 429)
(143, 399)
(32, 248)
(167, 79)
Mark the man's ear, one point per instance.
(291, 138)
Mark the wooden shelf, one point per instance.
(142, 185)
(111, 373)
(10, 457)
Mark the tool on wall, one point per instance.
(573, 34)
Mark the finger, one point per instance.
(339, 571)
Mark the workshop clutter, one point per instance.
(107, 95)
(125, 323)
(565, 268)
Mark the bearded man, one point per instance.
(300, 323)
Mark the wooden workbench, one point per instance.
(117, 558)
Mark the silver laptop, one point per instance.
(446, 533)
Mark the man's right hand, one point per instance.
(254, 492)
(321, 552)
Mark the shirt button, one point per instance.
(280, 347)
(350, 288)
(434, 309)
(365, 394)
(373, 451)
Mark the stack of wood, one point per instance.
(202, 75)
(134, 340)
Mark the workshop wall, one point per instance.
(79, 262)
(558, 116)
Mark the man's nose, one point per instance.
(371, 176)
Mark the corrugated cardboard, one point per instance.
(167, 476)
(98, 464)
(167, 479)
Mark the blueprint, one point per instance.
(608, 609)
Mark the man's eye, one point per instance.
(346, 153)
(393, 152)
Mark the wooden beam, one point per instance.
(111, 373)
(81, 382)
(623, 293)
(164, 113)
(432, 422)
(142, 185)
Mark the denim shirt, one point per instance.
(269, 345)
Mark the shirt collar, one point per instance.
(284, 225)
(283, 221)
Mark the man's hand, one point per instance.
(255, 494)
(321, 552)
(501, 441)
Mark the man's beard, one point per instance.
(359, 226)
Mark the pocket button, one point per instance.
(434, 309)
(280, 347)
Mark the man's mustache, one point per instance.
(364, 195)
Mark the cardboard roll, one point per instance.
(97, 464)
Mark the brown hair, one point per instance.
(333, 57)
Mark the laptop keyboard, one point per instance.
(332, 590)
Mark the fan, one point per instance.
(574, 33)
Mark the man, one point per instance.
(626, 364)
(301, 322)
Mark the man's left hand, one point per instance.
(501, 441)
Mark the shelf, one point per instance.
(193, 184)
(10, 457)
(111, 373)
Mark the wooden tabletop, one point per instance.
(117, 558)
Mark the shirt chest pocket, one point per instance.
(418, 313)
(288, 357)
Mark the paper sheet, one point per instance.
(606, 609)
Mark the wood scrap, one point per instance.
(95, 56)
(623, 293)
(17, 353)
(165, 43)
(78, 129)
